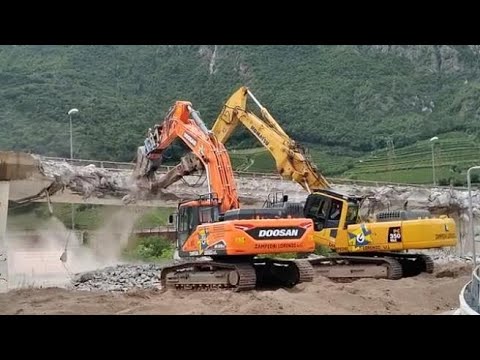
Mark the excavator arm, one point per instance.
(183, 122)
(290, 158)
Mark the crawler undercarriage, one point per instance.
(248, 274)
(238, 275)
(381, 265)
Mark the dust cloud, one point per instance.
(34, 257)
(110, 240)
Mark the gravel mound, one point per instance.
(119, 278)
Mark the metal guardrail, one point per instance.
(119, 166)
(154, 230)
(472, 291)
(110, 165)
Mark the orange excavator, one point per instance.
(215, 226)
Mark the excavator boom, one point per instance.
(183, 122)
(291, 160)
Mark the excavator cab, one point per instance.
(192, 213)
(326, 208)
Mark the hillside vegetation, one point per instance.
(344, 102)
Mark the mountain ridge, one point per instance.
(351, 99)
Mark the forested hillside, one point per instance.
(346, 100)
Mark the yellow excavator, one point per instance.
(364, 249)
(362, 246)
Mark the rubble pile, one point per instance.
(435, 199)
(92, 181)
(442, 256)
(119, 278)
(88, 181)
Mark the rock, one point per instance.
(315, 256)
(86, 277)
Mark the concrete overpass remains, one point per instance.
(15, 167)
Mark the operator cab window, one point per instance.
(334, 214)
(208, 214)
(352, 214)
(335, 210)
(183, 220)
(323, 211)
(188, 220)
(317, 209)
(312, 206)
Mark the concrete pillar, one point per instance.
(4, 190)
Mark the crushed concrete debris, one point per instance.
(444, 256)
(87, 180)
(119, 278)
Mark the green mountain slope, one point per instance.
(345, 101)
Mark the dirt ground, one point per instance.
(425, 294)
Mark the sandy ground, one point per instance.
(426, 294)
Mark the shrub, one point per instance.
(153, 248)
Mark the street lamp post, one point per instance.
(470, 213)
(432, 140)
(70, 113)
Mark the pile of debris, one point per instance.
(435, 199)
(87, 181)
(119, 278)
(93, 182)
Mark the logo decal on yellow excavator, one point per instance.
(202, 240)
(359, 237)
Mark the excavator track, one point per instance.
(354, 267)
(214, 275)
(412, 264)
(429, 264)
(306, 271)
(208, 275)
(282, 272)
(387, 265)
